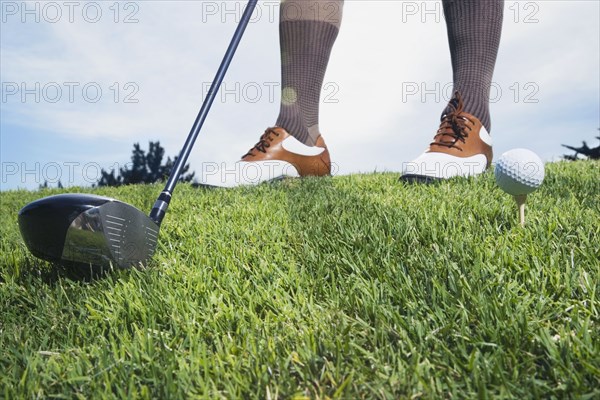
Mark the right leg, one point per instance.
(294, 147)
(307, 32)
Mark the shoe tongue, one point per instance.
(454, 102)
(452, 107)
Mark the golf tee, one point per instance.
(521, 199)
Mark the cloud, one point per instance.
(164, 61)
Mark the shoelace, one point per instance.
(453, 125)
(263, 143)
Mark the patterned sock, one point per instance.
(474, 28)
(307, 32)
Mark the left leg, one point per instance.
(462, 144)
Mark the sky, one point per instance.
(83, 81)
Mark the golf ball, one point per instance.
(519, 171)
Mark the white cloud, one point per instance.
(175, 48)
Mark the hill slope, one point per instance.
(354, 287)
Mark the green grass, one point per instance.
(346, 287)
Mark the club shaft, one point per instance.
(160, 206)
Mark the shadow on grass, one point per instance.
(50, 273)
(78, 273)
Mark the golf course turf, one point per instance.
(347, 287)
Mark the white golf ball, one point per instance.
(519, 171)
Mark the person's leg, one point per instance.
(307, 32)
(462, 144)
(474, 29)
(294, 147)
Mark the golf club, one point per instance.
(79, 230)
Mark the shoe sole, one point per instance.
(272, 180)
(419, 179)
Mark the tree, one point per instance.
(45, 185)
(144, 168)
(591, 153)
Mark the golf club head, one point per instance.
(83, 230)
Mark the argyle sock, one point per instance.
(474, 28)
(307, 32)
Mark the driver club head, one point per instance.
(86, 230)
(83, 230)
